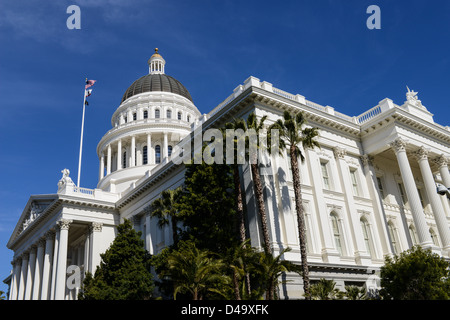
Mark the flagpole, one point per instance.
(81, 139)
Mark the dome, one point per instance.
(156, 82)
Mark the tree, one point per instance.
(415, 274)
(164, 209)
(206, 208)
(252, 124)
(271, 268)
(2, 297)
(325, 290)
(237, 124)
(194, 271)
(124, 272)
(355, 293)
(293, 134)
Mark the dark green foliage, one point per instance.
(124, 272)
(415, 274)
(206, 208)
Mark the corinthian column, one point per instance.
(433, 197)
(48, 257)
(399, 147)
(442, 162)
(60, 285)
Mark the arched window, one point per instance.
(158, 154)
(157, 113)
(337, 233)
(179, 115)
(169, 114)
(124, 160)
(134, 116)
(367, 236)
(413, 234)
(188, 118)
(144, 155)
(145, 114)
(169, 151)
(434, 237)
(393, 237)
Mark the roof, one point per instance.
(156, 82)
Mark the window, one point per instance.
(124, 160)
(169, 114)
(336, 233)
(169, 151)
(413, 234)
(402, 194)
(325, 177)
(179, 116)
(134, 116)
(380, 188)
(393, 236)
(157, 113)
(366, 235)
(158, 154)
(434, 237)
(188, 118)
(354, 181)
(145, 114)
(125, 119)
(144, 155)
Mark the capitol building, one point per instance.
(368, 192)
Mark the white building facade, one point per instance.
(368, 192)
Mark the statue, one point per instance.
(65, 180)
(411, 97)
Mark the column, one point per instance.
(46, 272)
(133, 151)
(361, 254)
(329, 253)
(102, 166)
(60, 290)
(54, 264)
(96, 232)
(23, 276)
(86, 260)
(442, 162)
(166, 145)
(148, 234)
(399, 147)
(150, 158)
(108, 160)
(119, 154)
(433, 197)
(30, 273)
(38, 270)
(377, 205)
(15, 279)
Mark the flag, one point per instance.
(88, 93)
(89, 83)
(86, 103)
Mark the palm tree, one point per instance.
(235, 125)
(194, 271)
(325, 290)
(252, 123)
(164, 209)
(292, 134)
(271, 268)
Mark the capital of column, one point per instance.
(339, 152)
(96, 227)
(421, 154)
(441, 161)
(64, 224)
(366, 160)
(398, 144)
(49, 235)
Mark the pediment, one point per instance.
(34, 209)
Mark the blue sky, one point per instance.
(321, 49)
